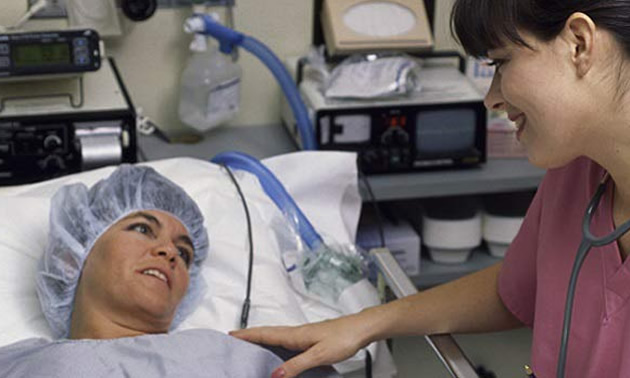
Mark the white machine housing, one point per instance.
(443, 125)
(52, 128)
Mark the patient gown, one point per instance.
(191, 353)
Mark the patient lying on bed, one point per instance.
(120, 270)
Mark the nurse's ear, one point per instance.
(580, 34)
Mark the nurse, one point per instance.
(563, 77)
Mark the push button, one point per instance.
(4, 148)
(80, 42)
(4, 49)
(81, 60)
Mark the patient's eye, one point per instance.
(142, 228)
(185, 255)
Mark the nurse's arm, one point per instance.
(467, 305)
(470, 304)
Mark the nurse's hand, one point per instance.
(323, 343)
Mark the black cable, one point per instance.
(368, 364)
(250, 268)
(377, 211)
(247, 302)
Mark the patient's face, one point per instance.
(137, 271)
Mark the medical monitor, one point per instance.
(446, 132)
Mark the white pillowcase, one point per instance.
(323, 184)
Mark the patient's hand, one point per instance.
(323, 343)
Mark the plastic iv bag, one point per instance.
(324, 272)
(210, 87)
(327, 271)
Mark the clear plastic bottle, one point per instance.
(210, 87)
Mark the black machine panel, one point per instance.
(37, 145)
(35, 149)
(403, 139)
(43, 53)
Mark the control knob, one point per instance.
(52, 142)
(52, 163)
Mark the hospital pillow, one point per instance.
(324, 185)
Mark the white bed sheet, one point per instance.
(323, 184)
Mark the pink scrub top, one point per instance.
(535, 276)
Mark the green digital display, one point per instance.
(38, 54)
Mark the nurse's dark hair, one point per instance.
(483, 25)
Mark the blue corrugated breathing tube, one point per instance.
(228, 39)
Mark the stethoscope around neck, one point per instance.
(588, 241)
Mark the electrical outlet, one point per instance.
(55, 9)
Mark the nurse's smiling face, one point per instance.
(536, 87)
(563, 94)
(137, 272)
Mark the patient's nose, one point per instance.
(167, 252)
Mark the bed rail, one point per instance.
(446, 348)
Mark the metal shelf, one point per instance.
(260, 142)
(497, 175)
(432, 274)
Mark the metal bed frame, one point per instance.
(444, 346)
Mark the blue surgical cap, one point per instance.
(79, 216)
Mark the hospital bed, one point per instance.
(328, 195)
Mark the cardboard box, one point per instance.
(400, 238)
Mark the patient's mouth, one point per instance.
(157, 274)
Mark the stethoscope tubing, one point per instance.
(588, 241)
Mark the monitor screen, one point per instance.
(29, 55)
(445, 132)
